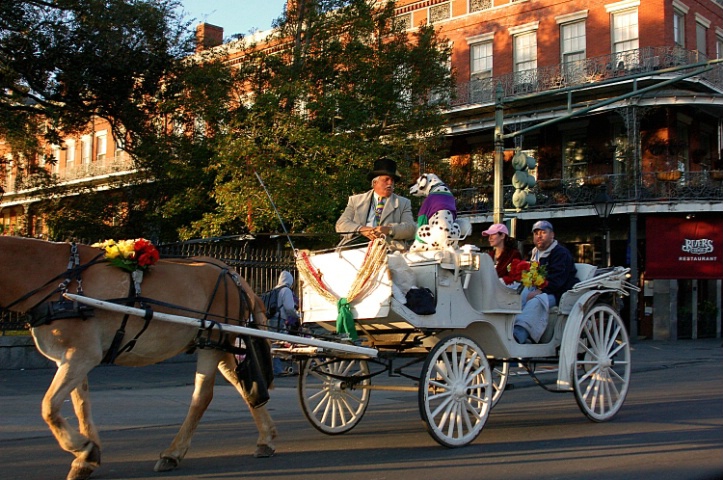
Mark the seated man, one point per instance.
(379, 211)
(560, 276)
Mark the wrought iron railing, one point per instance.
(674, 186)
(582, 72)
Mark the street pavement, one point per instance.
(157, 396)
(22, 390)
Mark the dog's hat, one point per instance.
(385, 166)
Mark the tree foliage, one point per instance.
(67, 62)
(63, 62)
(337, 85)
(308, 110)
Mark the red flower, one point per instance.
(527, 273)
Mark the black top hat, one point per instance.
(385, 166)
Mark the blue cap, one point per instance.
(543, 225)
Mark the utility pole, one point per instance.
(499, 157)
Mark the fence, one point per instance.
(260, 265)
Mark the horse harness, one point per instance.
(47, 311)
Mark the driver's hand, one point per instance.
(375, 232)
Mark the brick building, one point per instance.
(616, 101)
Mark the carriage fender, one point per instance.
(568, 346)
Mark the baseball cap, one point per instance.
(496, 228)
(543, 225)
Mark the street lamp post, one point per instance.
(604, 205)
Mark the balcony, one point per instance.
(651, 187)
(584, 72)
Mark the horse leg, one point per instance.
(202, 396)
(86, 450)
(265, 425)
(80, 397)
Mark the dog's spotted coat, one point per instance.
(441, 230)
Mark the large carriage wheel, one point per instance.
(601, 373)
(455, 391)
(331, 403)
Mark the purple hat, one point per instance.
(496, 228)
(543, 225)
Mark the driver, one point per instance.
(379, 211)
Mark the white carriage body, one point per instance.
(469, 298)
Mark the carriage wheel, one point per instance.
(455, 391)
(332, 404)
(500, 375)
(601, 373)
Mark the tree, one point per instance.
(337, 85)
(63, 62)
(66, 62)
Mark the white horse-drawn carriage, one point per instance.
(465, 348)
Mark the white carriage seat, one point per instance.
(568, 299)
(584, 272)
(487, 294)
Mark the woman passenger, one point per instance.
(503, 248)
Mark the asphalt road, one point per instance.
(671, 427)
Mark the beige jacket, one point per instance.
(397, 214)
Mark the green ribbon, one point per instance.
(345, 319)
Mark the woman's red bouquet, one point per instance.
(529, 274)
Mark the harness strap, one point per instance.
(74, 269)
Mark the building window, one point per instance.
(86, 149)
(55, 152)
(101, 146)
(525, 51)
(574, 155)
(481, 59)
(480, 67)
(69, 154)
(719, 45)
(679, 12)
(625, 30)
(572, 42)
(478, 5)
(702, 25)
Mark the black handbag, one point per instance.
(421, 301)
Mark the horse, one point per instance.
(79, 339)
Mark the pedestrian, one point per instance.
(286, 318)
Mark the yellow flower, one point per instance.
(126, 248)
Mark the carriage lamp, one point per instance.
(468, 258)
(468, 261)
(604, 205)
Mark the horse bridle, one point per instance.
(73, 272)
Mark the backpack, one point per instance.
(271, 301)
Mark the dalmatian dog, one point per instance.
(437, 227)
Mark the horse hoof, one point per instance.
(264, 451)
(166, 464)
(79, 473)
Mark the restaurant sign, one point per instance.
(678, 247)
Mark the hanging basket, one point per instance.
(670, 176)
